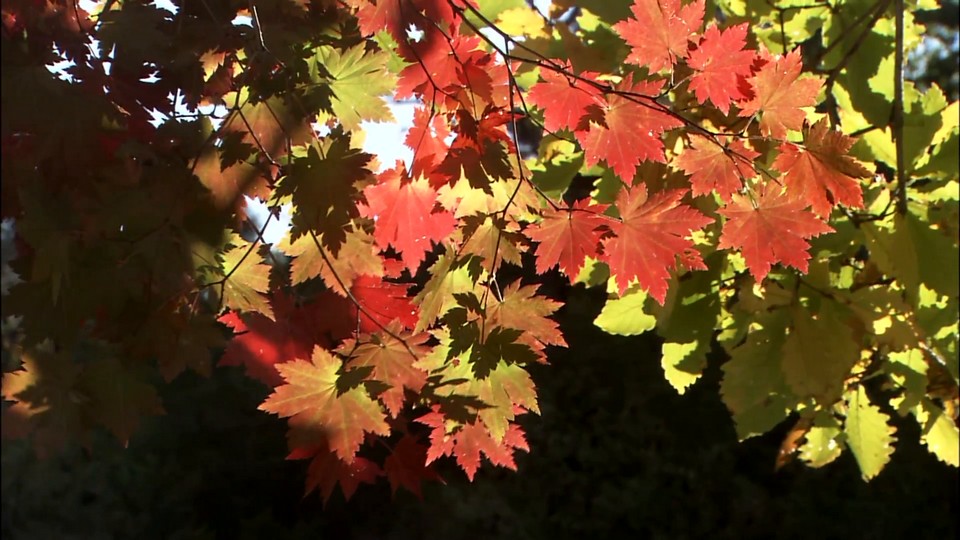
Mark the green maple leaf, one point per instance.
(357, 256)
(357, 79)
(449, 275)
(868, 433)
(505, 386)
(245, 280)
(323, 188)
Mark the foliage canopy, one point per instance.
(760, 176)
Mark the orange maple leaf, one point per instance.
(660, 31)
(630, 132)
(769, 229)
(780, 93)
(717, 168)
(404, 217)
(821, 172)
(651, 235)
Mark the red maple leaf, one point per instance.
(717, 168)
(630, 132)
(721, 63)
(326, 470)
(396, 16)
(771, 228)
(320, 411)
(468, 441)
(384, 301)
(780, 93)
(650, 235)
(660, 31)
(563, 100)
(435, 63)
(428, 140)
(260, 343)
(821, 172)
(406, 466)
(404, 217)
(479, 151)
(568, 236)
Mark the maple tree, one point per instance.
(754, 186)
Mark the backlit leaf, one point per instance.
(868, 433)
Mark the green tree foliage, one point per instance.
(765, 179)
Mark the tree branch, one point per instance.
(897, 115)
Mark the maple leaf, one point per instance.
(229, 181)
(650, 236)
(821, 171)
(396, 15)
(479, 150)
(780, 93)
(317, 408)
(326, 470)
(404, 216)
(769, 229)
(118, 396)
(392, 362)
(630, 132)
(563, 100)
(179, 342)
(427, 138)
(384, 14)
(721, 63)
(45, 401)
(383, 302)
(521, 308)
(271, 126)
(487, 238)
(568, 236)
(359, 78)
(56, 398)
(435, 62)
(717, 168)
(660, 31)
(357, 256)
(323, 188)
(245, 279)
(406, 466)
(468, 441)
(506, 392)
(260, 343)
(488, 344)
(449, 275)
